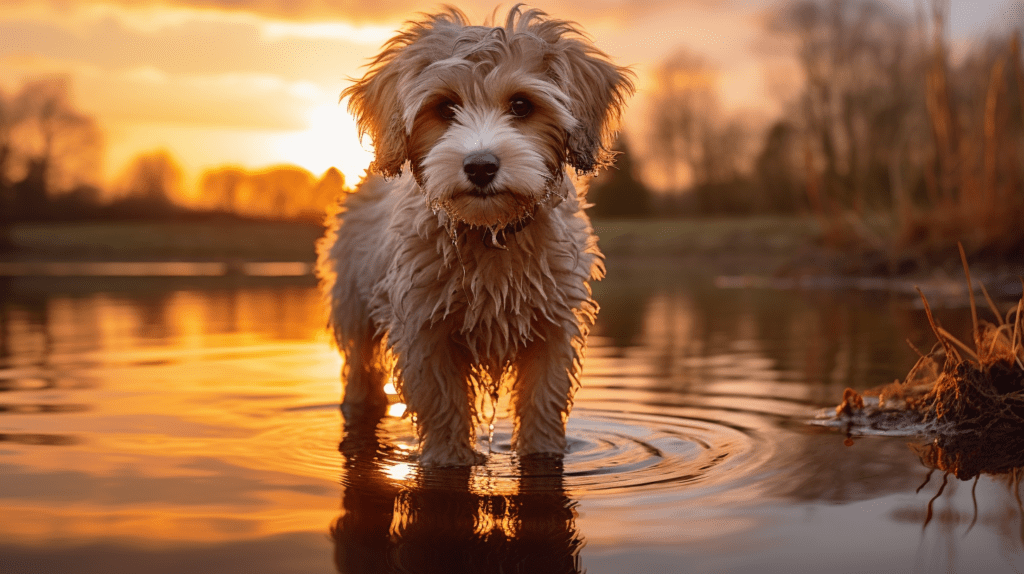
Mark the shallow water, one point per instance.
(192, 424)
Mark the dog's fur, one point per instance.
(452, 285)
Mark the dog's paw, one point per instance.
(441, 457)
(541, 445)
(363, 413)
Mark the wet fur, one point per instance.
(451, 287)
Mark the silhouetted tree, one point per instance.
(685, 106)
(220, 188)
(778, 171)
(6, 146)
(862, 92)
(617, 192)
(148, 185)
(326, 192)
(276, 193)
(153, 177)
(60, 146)
(282, 192)
(30, 194)
(6, 192)
(46, 147)
(702, 151)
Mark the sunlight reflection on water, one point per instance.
(146, 424)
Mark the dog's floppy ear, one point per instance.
(375, 102)
(597, 90)
(378, 99)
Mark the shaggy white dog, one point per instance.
(467, 264)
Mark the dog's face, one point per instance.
(488, 117)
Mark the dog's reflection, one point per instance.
(440, 522)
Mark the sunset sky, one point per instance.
(256, 82)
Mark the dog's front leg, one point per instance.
(548, 370)
(364, 379)
(435, 385)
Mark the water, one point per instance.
(192, 424)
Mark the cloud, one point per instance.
(184, 66)
(149, 94)
(358, 13)
(190, 42)
(354, 11)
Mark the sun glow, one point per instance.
(330, 140)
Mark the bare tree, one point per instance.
(153, 178)
(617, 192)
(6, 147)
(6, 198)
(701, 149)
(863, 88)
(685, 107)
(778, 171)
(279, 192)
(59, 147)
(220, 188)
(326, 192)
(287, 192)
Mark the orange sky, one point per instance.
(256, 82)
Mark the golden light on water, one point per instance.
(399, 471)
(174, 417)
(489, 520)
(195, 420)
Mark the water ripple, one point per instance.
(609, 453)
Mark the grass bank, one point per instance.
(712, 238)
(193, 241)
(775, 245)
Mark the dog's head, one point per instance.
(489, 117)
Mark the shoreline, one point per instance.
(774, 252)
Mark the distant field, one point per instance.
(279, 241)
(222, 240)
(708, 237)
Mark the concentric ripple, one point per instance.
(609, 452)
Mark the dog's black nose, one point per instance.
(480, 167)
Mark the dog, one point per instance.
(462, 261)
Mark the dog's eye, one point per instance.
(446, 110)
(520, 107)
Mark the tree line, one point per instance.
(50, 167)
(886, 122)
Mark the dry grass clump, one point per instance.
(975, 398)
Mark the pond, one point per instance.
(192, 424)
